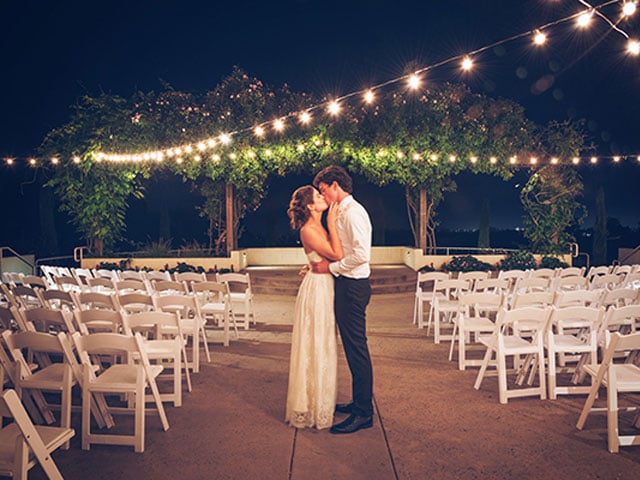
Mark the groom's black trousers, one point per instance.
(351, 299)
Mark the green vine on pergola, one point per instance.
(393, 141)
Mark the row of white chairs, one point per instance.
(441, 291)
(240, 292)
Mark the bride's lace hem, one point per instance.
(305, 419)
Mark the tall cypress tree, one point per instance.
(600, 231)
(484, 229)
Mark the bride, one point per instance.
(311, 396)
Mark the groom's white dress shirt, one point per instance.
(354, 230)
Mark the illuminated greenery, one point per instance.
(394, 141)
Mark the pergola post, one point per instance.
(231, 240)
(422, 222)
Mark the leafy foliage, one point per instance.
(404, 139)
(518, 260)
(550, 200)
(466, 263)
(552, 262)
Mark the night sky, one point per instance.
(54, 52)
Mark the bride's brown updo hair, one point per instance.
(298, 211)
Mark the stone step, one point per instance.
(286, 280)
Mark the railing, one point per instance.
(16, 255)
(629, 255)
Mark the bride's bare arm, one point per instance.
(314, 237)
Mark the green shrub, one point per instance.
(427, 268)
(466, 263)
(518, 260)
(552, 262)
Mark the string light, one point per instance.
(369, 97)
(584, 19)
(628, 9)
(278, 125)
(305, 117)
(575, 160)
(414, 81)
(466, 64)
(539, 38)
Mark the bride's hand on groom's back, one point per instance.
(320, 267)
(304, 270)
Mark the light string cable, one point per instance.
(332, 106)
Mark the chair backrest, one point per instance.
(619, 297)
(479, 303)
(98, 320)
(101, 284)
(532, 284)
(210, 292)
(571, 272)
(492, 285)
(509, 322)
(430, 277)
(542, 273)
(82, 275)
(609, 281)
(189, 277)
(571, 282)
(238, 282)
(135, 302)
(104, 273)
(132, 275)
(632, 279)
(168, 287)
(25, 297)
(130, 286)
(94, 300)
(451, 288)
(30, 440)
(600, 270)
(621, 319)
(67, 283)
(157, 275)
(12, 278)
(587, 319)
(473, 277)
(144, 322)
(35, 342)
(532, 299)
(46, 320)
(622, 269)
(586, 298)
(34, 282)
(57, 299)
(6, 318)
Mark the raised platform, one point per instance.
(285, 280)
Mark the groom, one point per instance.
(352, 293)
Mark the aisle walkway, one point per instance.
(429, 423)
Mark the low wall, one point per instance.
(258, 257)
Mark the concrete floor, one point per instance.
(429, 421)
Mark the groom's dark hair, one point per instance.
(334, 173)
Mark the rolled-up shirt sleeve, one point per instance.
(354, 229)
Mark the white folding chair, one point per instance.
(575, 298)
(609, 281)
(572, 282)
(571, 331)
(119, 378)
(424, 293)
(543, 273)
(473, 277)
(164, 343)
(445, 305)
(474, 319)
(618, 378)
(191, 322)
(506, 341)
(240, 294)
(619, 297)
(49, 374)
(571, 272)
(23, 445)
(215, 304)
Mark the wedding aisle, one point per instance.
(429, 421)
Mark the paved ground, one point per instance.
(429, 421)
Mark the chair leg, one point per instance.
(453, 340)
(483, 368)
(552, 376)
(612, 419)
(502, 377)
(138, 430)
(206, 344)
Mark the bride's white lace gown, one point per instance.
(311, 396)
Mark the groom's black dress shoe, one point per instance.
(352, 424)
(344, 407)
